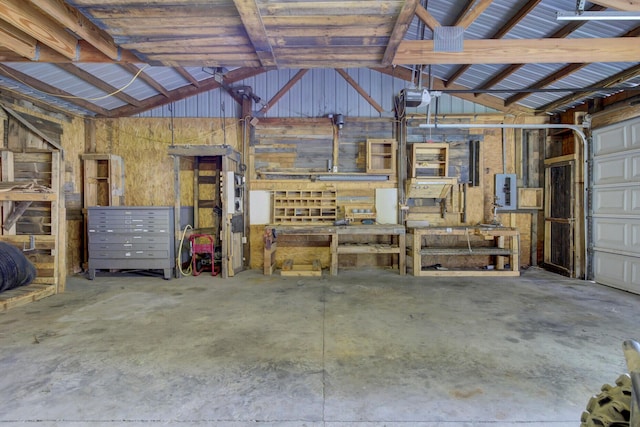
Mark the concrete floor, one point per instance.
(365, 348)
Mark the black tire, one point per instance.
(610, 408)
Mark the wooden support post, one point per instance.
(6, 160)
(176, 215)
(499, 259)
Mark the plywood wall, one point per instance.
(143, 143)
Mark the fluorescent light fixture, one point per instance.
(598, 16)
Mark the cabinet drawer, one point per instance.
(130, 254)
(136, 238)
(128, 247)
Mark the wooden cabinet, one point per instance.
(103, 180)
(381, 156)
(428, 243)
(305, 206)
(429, 160)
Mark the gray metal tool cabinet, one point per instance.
(131, 238)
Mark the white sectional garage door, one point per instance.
(616, 205)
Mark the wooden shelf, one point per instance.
(381, 156)
(305, 206)
(469, 242)
(429, 160)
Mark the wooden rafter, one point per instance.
(50, 90)
(185, 92)
(473, 9)
(283, 90)
(399, 30)
(145, 78)
(614, 80)
(628, 5)
(561, 33)
(252, 20)
(18, 41)
(79, 25)
(100, 84)
(360, 90)
(553, 77)
(187, 75)
(558, 75)
(512, 22)
(25, 17)
(427, 17)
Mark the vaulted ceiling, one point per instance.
(507, 54)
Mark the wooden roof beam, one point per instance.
(399, 30)
(25, 17)
(561, 33)
(553, 77)
(508, 26)
(50, 90)
(523, 51)
(100, 84)
(134, 70)
(76, 22)
(295, 79)
(360, 90)
(187, 75)
(626, 5)
(427, 18)
(18, 41)
(252, 20)
(473, 9)
(185, 92)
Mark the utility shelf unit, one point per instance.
(426, 243)
(381, 156)
(305, 206)
(429, 160)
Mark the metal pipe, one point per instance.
(577, 129)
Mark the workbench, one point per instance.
(428, 243)
(384, 239)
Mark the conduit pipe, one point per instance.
(577, 129)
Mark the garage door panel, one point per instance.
(611, 235)
(615, 205)
(635, 135)
(611, 201)
(612, 140)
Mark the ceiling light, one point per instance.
(598, 16)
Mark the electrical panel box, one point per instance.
(506, 191)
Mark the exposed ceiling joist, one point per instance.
(252, 20)
(18, 41)
(522, 51)
(70, 18)
(546, 81)
(25, 17)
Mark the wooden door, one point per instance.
(559, 247)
